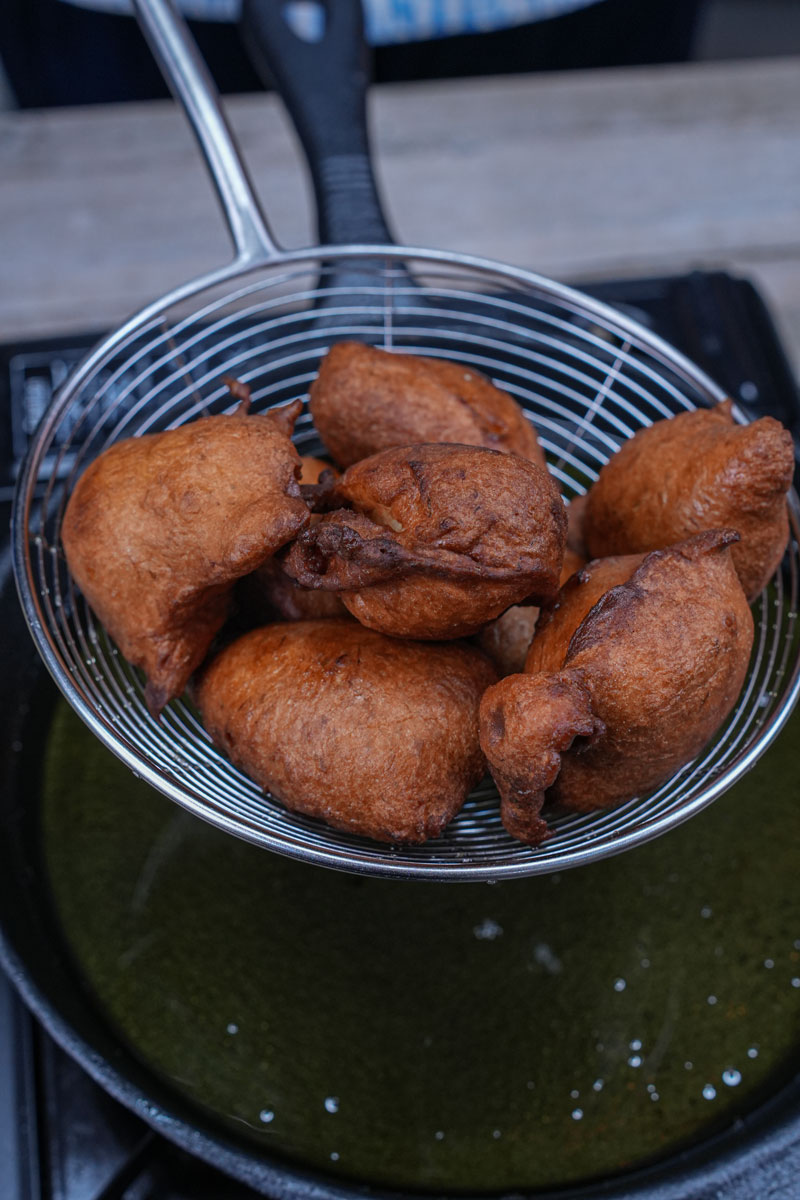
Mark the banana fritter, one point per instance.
(560, 618)
(373, 735)
(699, 470)
(159, 527)
(437, 540)
(365, 400)
(270, 595)
(657, 664)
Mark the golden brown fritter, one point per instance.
(373, 735)
(696, 471)
(561, 617)
(441, 539)
(662, 658)
(365, 400)
(159, 527)
(526, 723)
(270, 595)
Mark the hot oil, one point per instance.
(531, 1033)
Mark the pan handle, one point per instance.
(323, 84)
(191, 83)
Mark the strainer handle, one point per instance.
(323, 84)
(190, 81)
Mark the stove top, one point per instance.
(61, 1136)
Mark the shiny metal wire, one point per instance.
(588, 378)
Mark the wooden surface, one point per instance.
(579, 176)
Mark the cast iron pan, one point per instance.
(759, 1156)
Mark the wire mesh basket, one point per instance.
(585, 375)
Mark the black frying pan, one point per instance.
(759, 1156)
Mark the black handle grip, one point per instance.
(323, 85)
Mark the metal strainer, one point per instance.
(587, 376)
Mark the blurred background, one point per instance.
(58, 52)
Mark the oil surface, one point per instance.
(526, 1034)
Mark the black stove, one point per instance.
(61, 1136)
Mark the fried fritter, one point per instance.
(527, 722)
(696, 471)
(561, 617)
(269, 594)
(373, 735)
(662, 658)
(159, 527)
(365, 400)
(438, 540)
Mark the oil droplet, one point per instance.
(731, 1077)
(705, 912)
(619, 985)
(334, 1156)
(635, 1044)
(709, 1092)
(688, 1066)
(266, 1115)
(654, 1096)
(232, 1028)
(597, 1086)
(332, 1104)
(752, 1052)
(439, 1135)
(530, 1085)
(574, 1094)
(712, 999)
(635, 1060)
(545, 957)
(769, 964)
(496, 1134)
(577, 1114)
(796, 982)
(488, 930)
(645, 963)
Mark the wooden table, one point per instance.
(579, 176)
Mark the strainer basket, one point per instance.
(587, 375)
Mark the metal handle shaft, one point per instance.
(189, 79)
